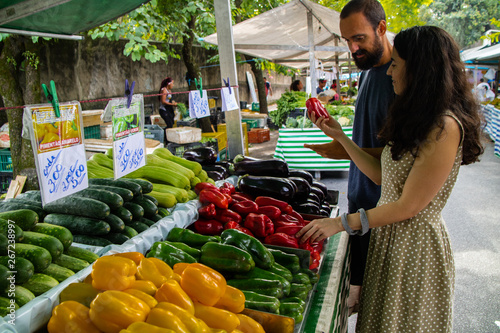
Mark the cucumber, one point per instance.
(79, 224)
(84, 254)
(155, 218)
(162, 211)
(11, 230)
(111, 199)
(146, 185)
(136, 210)
(138, 226)
(5, 274)
(33, 195)
(63, 234)
(50, 243)
(22, 295)
(129, 232)
(26, 201)
(124, 214)
(6, 206)
(22, 266)
(57, 272)
(150, 198)
(71, 263)
(91, 240)
(4, 244)
(38, 256)
(126, 195)
(24, 218)
(148, 206)
(115, 223)
(40, 283)
(78, 206)
(146, 221)
(134, 187)
(116, 237)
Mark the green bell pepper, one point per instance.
(261, 302)
(226, 258)
(272, 288)
(263, 274)
(299, 290)
(190, 238)
(288, 260)
(169, 254)
(282, 271)
(294, 310)
(302, 278)
(195, 253)
(261, 255)
(294, 300)
(313, 277)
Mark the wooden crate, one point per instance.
(258, 135)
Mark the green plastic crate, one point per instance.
(92, 132)
(251, 123)
(5, 179)
(5, 160)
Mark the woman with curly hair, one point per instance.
(433, 127)
(167, 107)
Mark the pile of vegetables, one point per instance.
(128, 292)
(288, 102)
(298, 122)
(343, 114)
(207, 157)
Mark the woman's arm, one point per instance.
(164, 100)
(334, 150)
(428, 174)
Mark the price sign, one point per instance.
(58, 148)
(229, 100)
(198, 106)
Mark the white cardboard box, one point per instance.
(183, 134)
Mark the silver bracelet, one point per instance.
(348, 229)
(364, 222)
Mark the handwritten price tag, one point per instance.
(228, 100)
(198, 106)
(129, 154)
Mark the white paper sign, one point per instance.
(229, 100)
(129, 154)
(198, 106)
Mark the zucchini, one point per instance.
(57, 272)
(181, 195)
(91, 240)
(116, 237)
(80, 253)
(111, 199)
(38, 256)
(24, 218)
(136, 210)
(154, 160)
(80, 206)
(124, 214)
(123, 183)
(63, 234)
(192, 194)
(98, 171)
(129, 232)
(40, 283)
(22, 295)
(126, 195)
(138, 226)
(146, 185)
(33, 195)
(166, 154)
(152, 199)
(157, 174)
(79, 224)
(149, 207)
(22, 266)
(71, 263)
(165, 200)
(102, 160)
(146, 221)
(50, 243)
(202, 177)
(116, 224)
(6, 206)
(11, 230)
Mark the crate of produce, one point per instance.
(183, 134)
(251, 123)
(187, 122)
(5, 160)
(178, 149)
(255, 107)
(222, 128)
(258, 135)
(92, 132)
(219, 136)
(5, 179)
(154, 132)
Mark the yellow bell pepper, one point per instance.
(203, 284)
(52, 127)
(113, 273)
(88, 279)
(113, 310)
(142, 327)
(192, 323)
(69, 317)
(148, 299)
(144, 285)
(82, 293)
(154, 270)
(166, 319)
(237, 331)
(50, 137)
(69, 130)
(40, 131)
(233, 300)
(180, 267)
(135, 256)
(249, 325)
(172, 292)
(216, 318)
(176, 277)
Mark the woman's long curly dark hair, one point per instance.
(435, 82)
(164, 84)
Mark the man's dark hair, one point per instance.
(371, 9)
(322, 80)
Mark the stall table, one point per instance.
(492, 126)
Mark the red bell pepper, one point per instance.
(237, 226)
(259, 224)
(237, 197)
(207, 211)
(313, 264)
(297, 216)
(314, 105)
(225, 191)
(227, 215)
(279, 223)
(208, 227)
(288, 218)
(318, 246)
(289, 230)
(282, 239)
(201, 186)
(213, 196)
(229, 199)
(245, 207)
(306, 246)
(268, 201)
(315, 255)
(229, 187)
(272, 212)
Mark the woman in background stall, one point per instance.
(167, 107)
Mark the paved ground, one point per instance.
(472, 216)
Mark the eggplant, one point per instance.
(324, 212)
(315, 198)
(302, 174)
(243, 158)
(225, 164)
(316, 190)
(321, 186)
(307, 208)
(202, 155)
(218, 168)
(303, 188)
(215, 175)
(275, 187)
(272, 168)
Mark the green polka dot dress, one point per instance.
(410, 273)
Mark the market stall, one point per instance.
(492, 127)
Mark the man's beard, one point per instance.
(371, 58)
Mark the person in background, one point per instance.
(269, 89)
(167, 107)
(321, 86)
(410, 273)
(363, 27)
(296, 86)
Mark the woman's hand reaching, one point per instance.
(320, 229)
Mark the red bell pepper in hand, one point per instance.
(208, 227)
(314, 105)
(237, 226)
(282, 239)
(245, 207)
(268, 201)
(213, 196)
(270, 211)
(229, 187)
(259, 224)
(207, 211)
(201, 186)
(227, 215)
(289, 230)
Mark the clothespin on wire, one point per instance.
(227, 84)
(129, 92)
(199, 86)
(51, 95)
